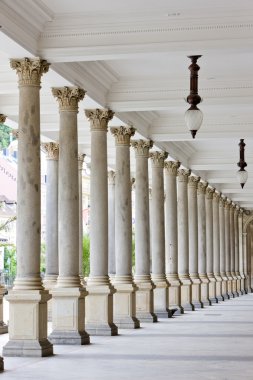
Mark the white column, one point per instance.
(216, 245)
(183, 239)
(99, 302)
(224, 284)
(240, 232)
(81, 157)
(171, 244)
(125, 296)
(142, 278)
(68, 295)
(227, 247)
(236, 227)
(209, 245)
(52, 266)
(232, 249)
(204, 290)
(193, 240)
(28, 299)
(158, 235)
(111, 225)
(245, 263)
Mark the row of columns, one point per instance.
(195, 248)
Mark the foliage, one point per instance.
(43, 258)
(10, 260)
(86, 255)
(4, 136)
(4, 226)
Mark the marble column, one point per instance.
(99, 302)
(52, 267)
(209, 244)
(204, 287)
(125, 296)
(193, 240)
(240, 232)
(227, 247)
(237, 273)
(142, 278)
(28, 299)
(216, 246)
(111, 224)
(158, 236)
(68, 306)
(81, 157)
(232, 248)
(183, 239)
(171, 243)
(224, 278)
(3, 326)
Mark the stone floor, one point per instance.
(215, 343)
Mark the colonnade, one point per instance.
(198, 248)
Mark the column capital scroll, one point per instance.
(99, 118)
(29, 70)
(122, 134)
(172, 167)
(209, 192)
(228, 203)
(183, 175)
(68, 97)
(193, 181)
(222, 201)
(202, 187)
(216, 196)
(51, 149)
(2, 118)
(158, 158)
(111, 177)
(141, 147)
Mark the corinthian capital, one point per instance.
(29, 70)
(111, 177)
(193, 181)
(183, 175)
(51, 149)
(228, 203)
(2, 118)
(172, 167)
(122, 135)
(209, 192)
(68, 97)
(142, 147)
(216, 196)
(158, 158)
(99, 118)
(202, 187)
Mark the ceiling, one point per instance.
(131, 56)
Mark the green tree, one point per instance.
(10, 260)
(43, 258)
(4, 136)
(86, 255)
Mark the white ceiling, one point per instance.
(131, 56)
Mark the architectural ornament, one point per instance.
(193, 181)
(51, 149)
(142, 147)
(183, 175)
(209, 192)
(111, 177)
(172, 167)
(29, 70)
(68, 97)
(202, 187)
(158, 158)
(99, 118)
(122, 134)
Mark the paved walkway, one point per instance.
(215, 343)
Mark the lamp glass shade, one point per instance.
(193, 119)
(242, 176)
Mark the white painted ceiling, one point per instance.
(131, 56)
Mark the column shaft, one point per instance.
(237, 273)
(232, 248)
(216, 246)
(223, 248)
(227, 247)
(80, 192)
(209, 245)
(111, 226)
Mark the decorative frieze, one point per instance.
(29, 70)
(51, 149)
(122, 135)
(172, 167)
(99, 118)
(158, 158)
(68, 97)
(111, 177)
(142, 147)
(183, 175)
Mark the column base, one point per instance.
(3, 326)
(242, 283)
(212, 288)
(218, 288)
(174, 301)
(27, 326)
(230, 287)
(234, 285)
(99, 308)
(145, 299)
(49, 283)
(124, 303)
(224, 287)
(186, 293)
(160, 297)
(68, 310)
(204, 290)
(196, 301)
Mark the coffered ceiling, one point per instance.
(131, 56)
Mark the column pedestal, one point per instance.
(224, 287)
(3, 326)
(31, 313)
(204, 290)
(175, 307)
(68, 310)
(186, 293)
(99, 309)
(161, 294)
(212, 289)
(218, 284)
(124, 307)
(196, 292)
(145, 299)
